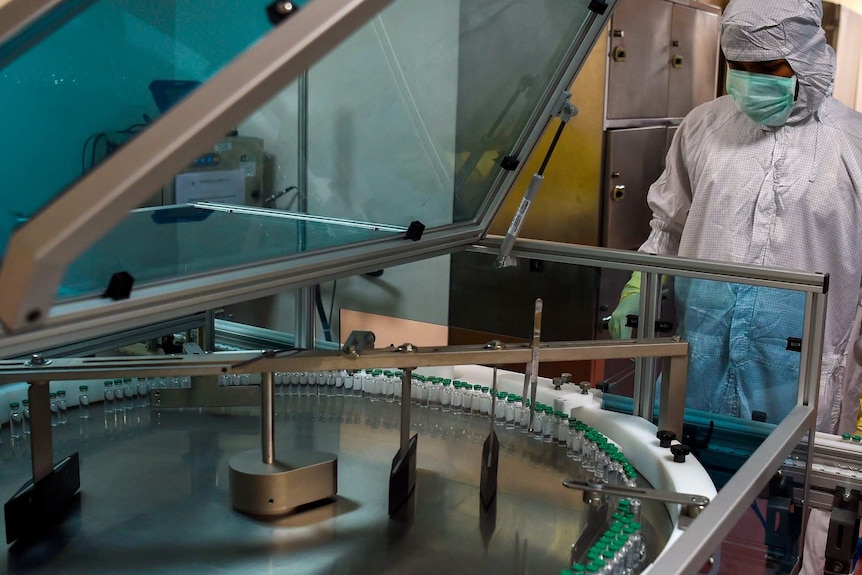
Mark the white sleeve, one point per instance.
(669, 199)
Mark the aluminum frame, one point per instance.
(17, 16)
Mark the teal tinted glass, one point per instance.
(70, 100)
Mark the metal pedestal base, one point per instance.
(294, 479)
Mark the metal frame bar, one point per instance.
(39, 252)
(313, 360)
(116, 340)
(17, 16)
(650, 299)
(692, 550)
(77, 320)
(666, 265)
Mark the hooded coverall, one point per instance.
(788, 197)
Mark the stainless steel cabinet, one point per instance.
(663, 59)
(634, 160)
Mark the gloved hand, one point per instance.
(630, 300)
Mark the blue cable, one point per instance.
(759, 514)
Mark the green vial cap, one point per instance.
(845, 436)
(564, 415)
(52, 394)
(109, 384)
(61, 393)
(593, 554)
(511, 399)
(25, 402)
(83, 388)
(127, 379)
(14, 405)
(484, 390)
(566, 572)
(447, 383)
(857, 438)
(118, 381)
(578, 568)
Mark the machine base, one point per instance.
(296, 478)
(38, 506)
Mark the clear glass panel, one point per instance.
(406, 120)
(152, 244)
(88, 88)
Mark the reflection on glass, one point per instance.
(85, 90)
(154, 244)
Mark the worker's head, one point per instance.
(781, 67)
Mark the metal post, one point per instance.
(650, 300)
(406, 383)
(267, 418)
(304, 327)
(810, 363)
(206, 333)
(671, 410)
(40, 430)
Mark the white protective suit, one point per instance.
(787, 197)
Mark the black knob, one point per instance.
(680, 450)
(665, 437)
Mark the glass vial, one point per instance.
(83, 402)
(62, 418)
(16, 421)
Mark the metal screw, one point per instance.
(407, 347)
(37, 360)
(846, 496)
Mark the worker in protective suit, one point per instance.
(769, 175)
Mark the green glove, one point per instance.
(630, 301)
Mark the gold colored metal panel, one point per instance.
(567, 207)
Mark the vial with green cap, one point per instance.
(55, 411)
(109, 397)
(510, 412)
(84, 402)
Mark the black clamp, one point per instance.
(119, 286)
(509, 163)
(843, 532)
(414, 232)
(680, 451)
(598, 7)
(280, 10)
(665, 438)
(794, 344)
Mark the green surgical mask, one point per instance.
(768, 100)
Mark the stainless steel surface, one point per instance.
(623, 259)
(292, 480)
(38, 253)
(707, 532)
(638, 86)
(204, 392)
(267, 419)
(634, 159)
(155, 497)
(694, 38)
(42, 458)
(255, 362)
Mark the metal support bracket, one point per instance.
(402, 476)
(690, 505)
(843, 532)
(357, 342)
